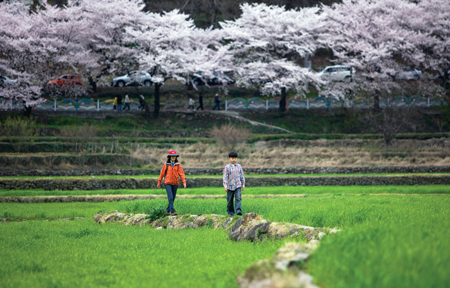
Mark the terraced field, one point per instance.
(386, 240)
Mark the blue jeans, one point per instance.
(119, 107)
(234, 194)
(216, 106)
(171, 194)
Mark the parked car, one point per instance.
(407, 73)
(441, 75)
(5, 81)
(337, 73)
(68, 80)
(217, 78)
(133, 78)
(265, 79)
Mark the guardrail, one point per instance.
(233, 104)
(69, 105)
(321, 102)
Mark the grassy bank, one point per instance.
(311, 190)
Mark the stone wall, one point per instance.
(219, 171)
(151, 183)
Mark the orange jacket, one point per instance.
(172, 174)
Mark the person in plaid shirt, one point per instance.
(233, 182)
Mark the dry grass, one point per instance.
(229, 137)
(403, 153)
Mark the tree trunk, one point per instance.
(376, 102)
(282, 107)
(27, 111)
(214, 13)
(92, 82)
(192, 8)
(157, 106)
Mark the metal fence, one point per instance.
(233, 104)
(68, 105)
(321, 102)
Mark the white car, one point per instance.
(337, 73)
(7, 81)
(133, 78)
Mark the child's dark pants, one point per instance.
(230, 195)
(171, 194)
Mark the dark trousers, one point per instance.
(217, 105)
(191, 106)
(171, 194)
(234, 194)
(126, 105)
(200, 106)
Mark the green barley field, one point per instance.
(386, 241)
(254, 191)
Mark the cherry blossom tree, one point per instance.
(31, 49)
(378, 38)
(431, 21)
(267, 42)
(171, 47)
(108, 22)
(40, 45)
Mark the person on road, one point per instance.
(191, 104)
(115, 104)
(141, 102)
(127, 103)
(171, 171)
(216, 102)
(233, 182)
(119, 102)
(200, 101)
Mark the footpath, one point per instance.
(151, 183)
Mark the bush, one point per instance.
(22, 130)
(229, 136)
(156, 213)
(80, 134)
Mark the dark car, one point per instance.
(217, 78)
(441, 75)
(407, 73)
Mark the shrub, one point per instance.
(21, 130)
(157, 213)
(228, 136)
(80, 134)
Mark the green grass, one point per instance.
(310, 190)
(220, 176)
(410, 251)
(85, 254)
(326, 211)
(387, 241)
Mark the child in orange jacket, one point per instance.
(171, 171)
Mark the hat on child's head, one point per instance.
(173, 153)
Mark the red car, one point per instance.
(69, 80)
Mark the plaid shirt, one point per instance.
(233, 177)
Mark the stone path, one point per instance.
(282, 271)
